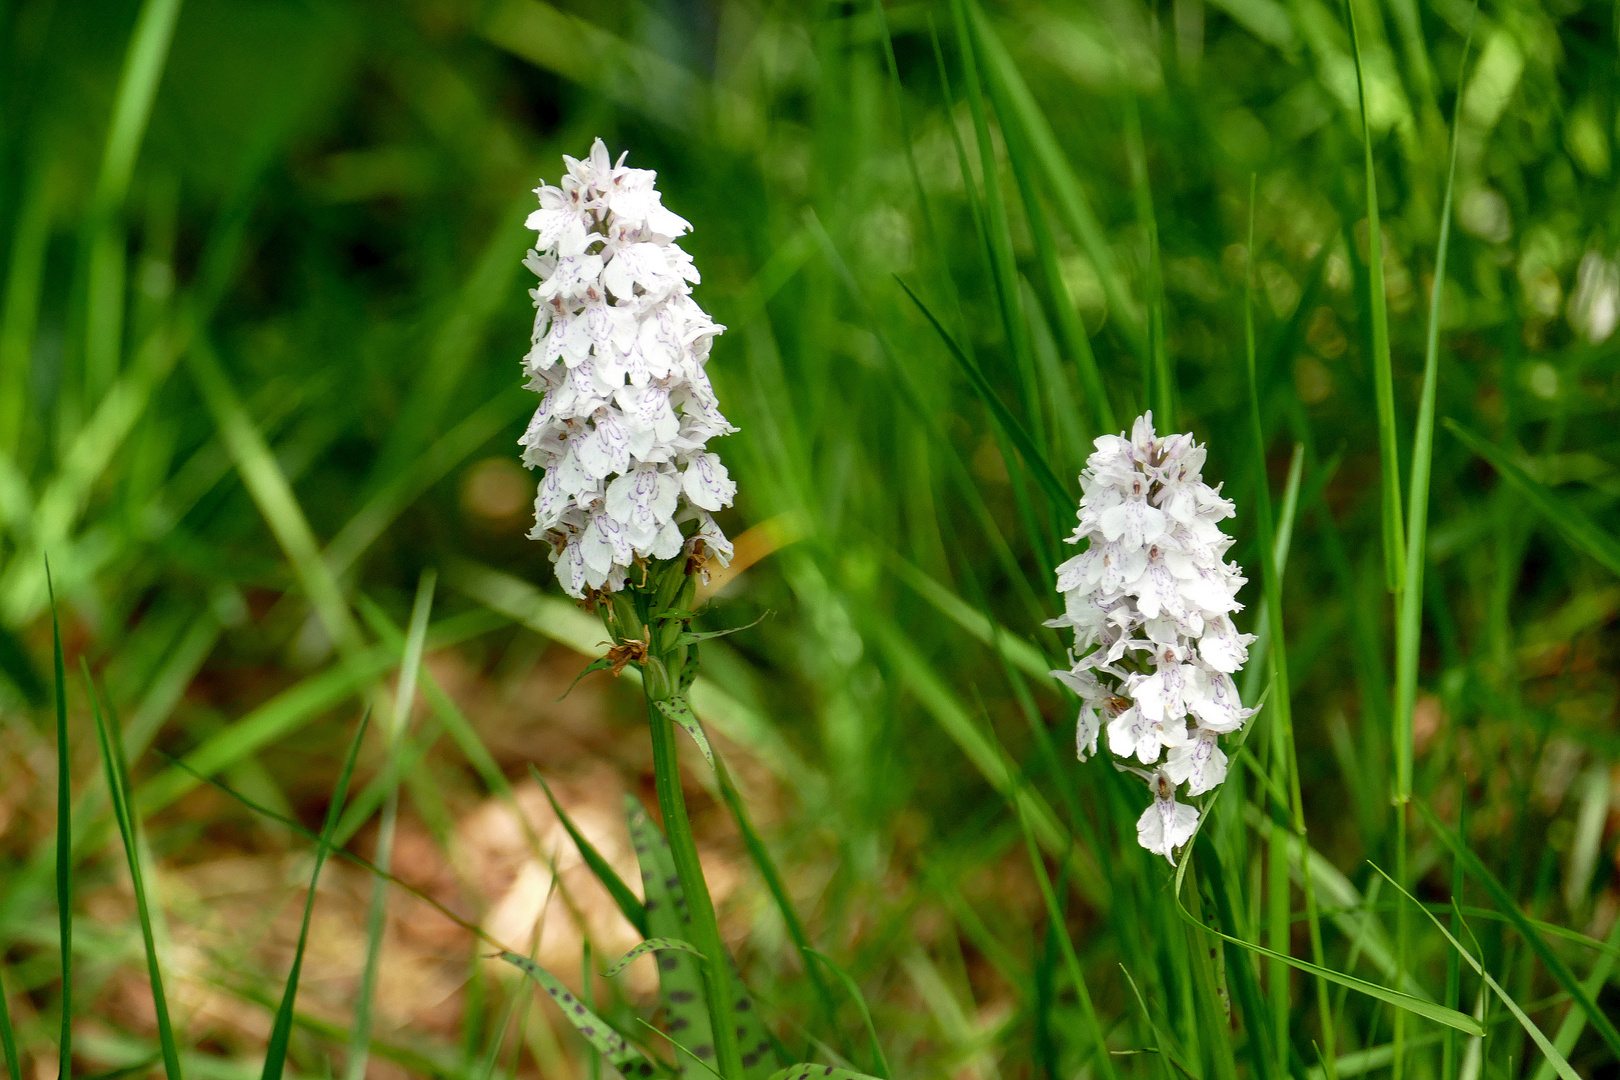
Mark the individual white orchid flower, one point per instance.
(1150, 601)
(626, 409)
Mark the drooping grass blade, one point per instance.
(1558, 1061)
(275, 1058)
(1418, 1006)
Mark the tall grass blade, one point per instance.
(132, 108)
(1284, 756)
(110, 738)
(64, 836)
(1073, 206)
(1570, 522)
(1033, 458)
(1383, 378)
(1160, 382)
(998, 236)
(275, 1056)
(377, 918)
(1409, 623)
(1503, 901)
(1251, 1003)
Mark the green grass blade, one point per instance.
(1251, 1003)
(998, 235)
(1070, 328)
(632, 909)
(1071, 961)
(1409, 630)
(111, 742)
(1570, 522)
(1073, 206)
(1033, 458)
(137, 89)
(1547, 1048)
(766, 866)
(880, 1063)
(275, 1056)
(105, 239)
(64, 836)
(8, 1036)
(1161, 383)
(19, 311)
(377, 918)
(1383, 377)
(1504, 903)
(267, 483)
(1284, 754)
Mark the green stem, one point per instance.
(700, 909)
(1398, 1061)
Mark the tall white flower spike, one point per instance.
(1150, 601)
(626, 410)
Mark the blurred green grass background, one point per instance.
(260, 326)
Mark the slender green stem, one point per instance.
(659, 680)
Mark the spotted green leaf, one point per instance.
(680, 981)
(609, 1043)
(809, 1071)
(657, 944)
(679, 711)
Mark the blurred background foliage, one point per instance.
(260, 327)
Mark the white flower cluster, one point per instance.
(618, 353)
(1150, 601)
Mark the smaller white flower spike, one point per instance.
(618, 353)
(1150, 602)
